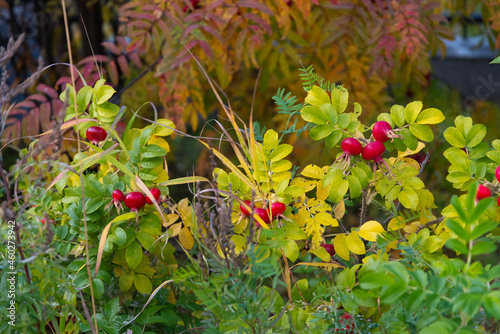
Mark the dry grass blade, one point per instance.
(319, 264)
(184, 180)
(104, 235)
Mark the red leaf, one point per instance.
(254, 4)
(45, 112)
(113, 72)
(122, 62)
(112, 47)
(50, 91)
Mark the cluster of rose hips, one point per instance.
(135, 200)
(382, 132)
(484, 192)
(276, 209)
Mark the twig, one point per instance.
(430, 223)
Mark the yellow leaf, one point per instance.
(370, 230)
(160, 142)
(326, 219)
(340, 244)
(175, 229)
(313, 171)
(339, 210)
(240, 243)
(170, 219)
(306, 184)
(409, 152)
(355, 244)
(164, 127)
(322, 192)
(186, 238)
(395, 224)
(162, 176)
(321, 253)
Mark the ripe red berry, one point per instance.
(346, 321)
(329, 248)
(244, 210)
(263, 214)
(351, 146)
(43, 221)
(482, 192)
(380, 131)
(118, 196)
(498, 201)
(156, 194)
(373, 150)
(96, 134)
(277, 208)
(497, 173)
(135, 201)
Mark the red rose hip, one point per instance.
(96, 134)
(277, 208)
(118, 196)
(156, 194)
(263, 214)
(380, 131)
(497, 173)
(244, 210)
(135, 201)
(373, 150)
(351, 146)
(329, 248)
(482, 192)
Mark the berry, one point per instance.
(118, 196)
(277, 208)
(497, 173)
(498, 201)
(373, 150)
(345, 321)
(135, 201)
(482, 192)
(244, 210)
(380, 131)
(43, 221)
(156, 194)
(263, 214)
(329, 248)
(96, 134)
(351, 146)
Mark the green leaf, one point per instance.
(476, 135)
(303, 286)
(133, 254)
(270, 140)
(317, 97)
(408, 198)
(458, 159)
(430, 116)
(481, 208)
(495, 61)
(98, 287)
(313, 115)
(152, 151)
(126, 280)
(329, 113)
(412, 110)
(393, 292)
(409, 140)
(291, 250)
(145, 239)
(112, 307)
(121, 236)
(151, 162)
(320, 131)
(83, 97)
(457, 246)
(456, 228)
(422, 132)
(454, 137)
(103, 94)
(458, 208)
(375, 280)
(143, 284)
(398, 115)
(483, 247)
(333, 138)
(361, 175)
(93, 204)
(415, 300)
(463, 124)
(492, 303)
(413, 182)
(281, 151)
(340, 98)
(482, 228)
(354, 186)
(338, 186)
(163, 127)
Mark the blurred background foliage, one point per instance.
(383, 51)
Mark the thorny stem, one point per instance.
(430, 223)
(362, 215)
